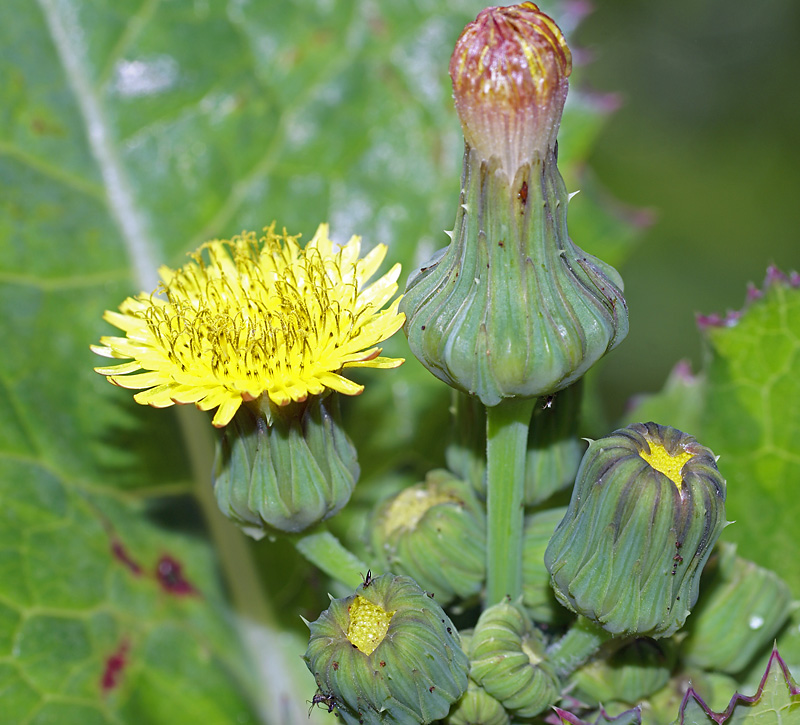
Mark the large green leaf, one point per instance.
(746, 407)
(130, 132)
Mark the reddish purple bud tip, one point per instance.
(509, 70)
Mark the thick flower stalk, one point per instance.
(387, 654)
(255, 320)
(512, 307)
(647, 507)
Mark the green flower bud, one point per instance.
(512, 308)
(285, 468)
(742, 608)
(387, 654)
(507, 660)
(477, 707)
(435, 532)
(537, 594)
(466, 452)
(554, 449)
(631, 673)
(647, 507)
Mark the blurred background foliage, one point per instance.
(705, 137)
(132, 131)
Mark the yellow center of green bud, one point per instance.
(368, 625)
(411, 505)
(664, 462)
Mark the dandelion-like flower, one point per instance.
(251, 319)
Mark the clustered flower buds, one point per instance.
(387, 654)
(647, 507)
(512, 308)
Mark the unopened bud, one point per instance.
(647, 507)
(288, 475)
(509, 71)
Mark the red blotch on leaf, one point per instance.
(169, 573)
(121, 554)
(114, 666)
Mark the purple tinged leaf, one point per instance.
(777, 694)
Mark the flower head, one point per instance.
(387, 653)
(251, 319)
(509, 71)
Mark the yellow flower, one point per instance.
(255, 317)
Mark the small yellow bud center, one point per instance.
(368, 625)
(411, 505)
(664, 462)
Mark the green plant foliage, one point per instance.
(776, 701)
(104, 616)
(746, 407)
(129, 134)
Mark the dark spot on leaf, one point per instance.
(169, 573)
(121, 554)
(114, 666)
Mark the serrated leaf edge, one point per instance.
(722, 717)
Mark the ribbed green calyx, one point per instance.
(387, 654)
(537, 594)
(475, 706)
(507, 660)
(435, 532)
(288, 475)
(627, 673)
(632, 545)
(512, 307)
(742, 608)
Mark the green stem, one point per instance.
(327, 553)
(583, 639)
(232, 547)
(507, 440)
